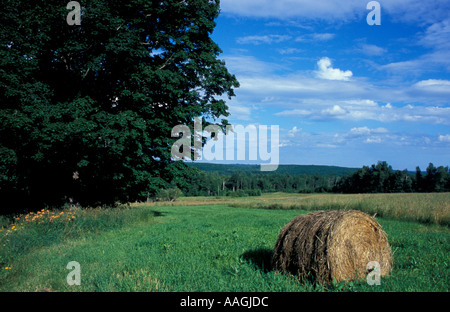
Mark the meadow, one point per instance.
(217, 244)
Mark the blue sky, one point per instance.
(342, 92)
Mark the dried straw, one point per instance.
(334, 245)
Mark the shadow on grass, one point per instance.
(261, 258)
(158, 213)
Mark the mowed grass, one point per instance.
(203, 244)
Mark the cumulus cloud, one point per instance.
(262, 79)
(327, 72)
(369, 135)
(303, 94)
(336, 110)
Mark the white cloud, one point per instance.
(369, 135)
(330, 73)
(260, 79)
(413, 11)
(289, 51)
(364, 131)
(356, 136)
(433, 82)
(315, 37)
(293, 131)
(430, 62)
(359, 131)
(245, 65)
(373, 140)
(320, 110)
(302, 94)
(268, 99)
(433, 85)
(295, 113)
(371, 50)
(326, 145)
(430, 91)
(239, 112)
(267, 39)
(323, 36)
(361, 102)
(434, 37)
(336, 110)
(444, 138)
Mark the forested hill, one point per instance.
(219, 179)
(310, 170)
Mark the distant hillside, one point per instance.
(293, 170)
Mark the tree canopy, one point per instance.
(87, 110)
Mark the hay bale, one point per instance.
(332, 245)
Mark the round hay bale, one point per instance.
(334, 245)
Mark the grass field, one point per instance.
(212, 244)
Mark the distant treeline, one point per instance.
(246, 180)
(381, 178)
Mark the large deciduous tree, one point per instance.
(87, 110)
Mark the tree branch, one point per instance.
(167, 62)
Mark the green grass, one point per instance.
(209, 247)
